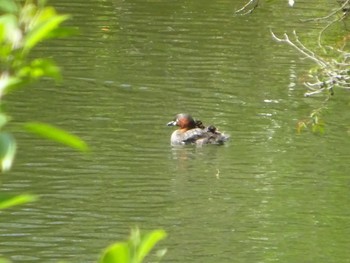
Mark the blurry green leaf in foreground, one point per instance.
(7, 201)
(39, 68)
(7, 151)
(3, 120)
(7, 83)
(45, 22)
(56, 134)
(117, 253)
(4, 260)
(8, 6)
(147, 242)
(135, 249)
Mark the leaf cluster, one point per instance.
(135, 249)
(23, 25)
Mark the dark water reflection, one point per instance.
(268, 195)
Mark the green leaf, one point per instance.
(318, 127)
(55, 134)
(8, 6)
(116, 253)
(45, 24)
(148, 241)
(7, 201)
(42, 3)
(7, 83)
(300, 126)
(10, 31)
(39, 68)
(161, 252)
(4, 260)
(7, 151)
(3, 120)
(63, 32)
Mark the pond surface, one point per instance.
(269, 195)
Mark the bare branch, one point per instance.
(252, 4)
(301, 48)
(324, 29)
(330, 14)
(308, 94)
(333, 73)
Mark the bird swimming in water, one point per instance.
(194, 132)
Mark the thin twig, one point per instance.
(329, 15)
(308, 94)
(333, 73)
(302, 49)
(324, 29)
(250, 2)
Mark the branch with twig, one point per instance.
(248, 8)
(332, 73)
(344, 8)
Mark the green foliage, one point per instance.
(7, 151)
(315, 122)
(23, 25)
(135, 249)
(8, 6)
(55, 134)
(22, 28)
(3, 260)
(7, 201)
(42, 27)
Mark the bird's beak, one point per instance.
(172, 123)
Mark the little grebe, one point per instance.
(194, 132)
